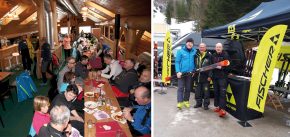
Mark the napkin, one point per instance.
(99, 115)
(102, 132)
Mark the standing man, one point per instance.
(45, 61)
(220, 80)
(202, 59)
(24, 52)
(66, 46)
(184, 64)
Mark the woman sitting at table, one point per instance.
(66, 99)
(68, 78)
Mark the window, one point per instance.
(86, 29)
(112, 33)
(106, 31)
(64, 30)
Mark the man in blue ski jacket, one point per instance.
(184, 65)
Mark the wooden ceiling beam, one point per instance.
(18, 11)
(100, 8)
(29, 19)
(96, 14)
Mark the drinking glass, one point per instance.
(90, 123)
(119, 133)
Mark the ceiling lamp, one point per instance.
(85, 9)
(15, 17)
(9, 16)
(34, 18)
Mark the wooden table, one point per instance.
(4, 75)
(91, 132)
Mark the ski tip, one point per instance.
(225, 63)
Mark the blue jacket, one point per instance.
(184, 61)
(138, 116)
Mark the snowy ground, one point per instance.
(171, 122)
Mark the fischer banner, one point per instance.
(264, 65)
(166, 61)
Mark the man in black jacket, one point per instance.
(126, 79)
(24, 52)
(46, 59)
(220, 80)
(202, 59)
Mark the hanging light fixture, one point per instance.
(15, 17)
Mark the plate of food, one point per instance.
(91, 104)
(89, 94)
(118, 117)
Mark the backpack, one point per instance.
(55, 60)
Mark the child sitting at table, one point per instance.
(41, 117)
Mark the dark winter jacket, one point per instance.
(223, 72)
(203, 62)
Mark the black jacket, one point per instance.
(223, 72)
(199, 63)
(126, 79)
(45, 52)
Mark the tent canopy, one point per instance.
(257, 21)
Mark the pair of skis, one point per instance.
(223, 63)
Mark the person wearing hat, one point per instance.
(184, 65)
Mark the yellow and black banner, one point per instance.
(264, 65)
(166, 61)
(285, 49)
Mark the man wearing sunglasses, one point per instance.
(70, 66)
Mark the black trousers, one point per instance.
(45, 68)
(220, 92)
(67, 53)
(202, 94)
(26, 60)
(35, 64)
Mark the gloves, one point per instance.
(179, 75)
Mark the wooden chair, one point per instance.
(274, 98)
(4, 92)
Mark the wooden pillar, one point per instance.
(54, 22)
(130, 35)
(132, 40)
(41, 31)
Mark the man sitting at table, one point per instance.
(125, 80)
(58, 126)
(82, 67)
(70, 66)
(113, 68)
(145, 80)
(66, 99)
(139, 116)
